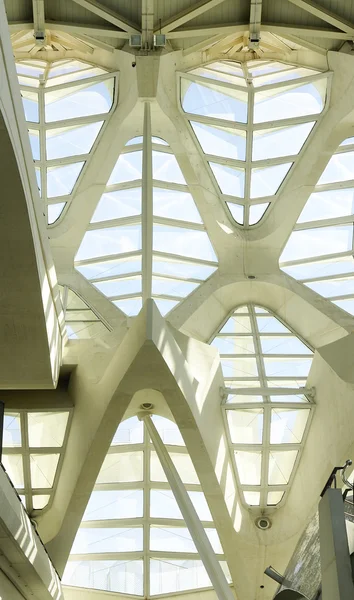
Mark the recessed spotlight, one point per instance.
(147, 406)
(251, 277)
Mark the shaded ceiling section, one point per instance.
(25, 353)
(319, 252)
(84, 24)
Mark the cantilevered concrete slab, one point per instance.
(30, 335)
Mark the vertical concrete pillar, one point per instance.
(337, 583)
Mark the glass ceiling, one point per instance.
(132, 537)
(81, 322)
(146, 237)
(319, 252)
(250, 121)
(33, 449)
(66, 104)
(266, 413)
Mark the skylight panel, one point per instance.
(180, 258)
(81, 322)
(30, 106)
(36, 442)
(71, 141)
(237, 211)
(328, 205)
(260, 356)
(130, 306)
(231, 181)
(318, 242)
(339, 168)
(220, 141)
(184, 242)
(82, 100)
(118, 204)
(128, 167)
(289, 102)
(114, 504)
(165, 168)
(54, 211)
(173, 204)
(115, 517)
(47, 429)
(256, 212)
(105, 242)
(238, 148)
(280, 141)
(34, 141)
(61, 180)
(330, 247)
(265, 181)
(11, 430)
(110, 268)
(281, 465)
(214, 101)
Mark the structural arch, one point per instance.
(266, 405)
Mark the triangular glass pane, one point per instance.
(231, 181)
(117, 205)
(71, 141)
(129, 167)
(82, 100)
(54, 211)
(281, 141)
(290, 101)
(166, 168)
(256, 212)
(288, 425)
(220, 141)
(265, 181)
(339, 168)
(328, 205)
(214, 101)
(172, 204)
(61, 180)
(280, 466)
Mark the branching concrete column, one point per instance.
(337, 583)
(190, 516)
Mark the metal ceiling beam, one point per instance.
(255, 22)
(277, 28)
(108, 15)
(75, 28)
(38, 18)
(187, 15)
(304, 43)
(325, 15)
(147, 24)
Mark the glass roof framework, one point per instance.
(267, 415)
(66, 103)
(34, 444)
(146, 238)
(319, 252)
(82, 323)
(132, 538)
(250, 121)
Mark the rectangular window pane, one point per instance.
(121, 467)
